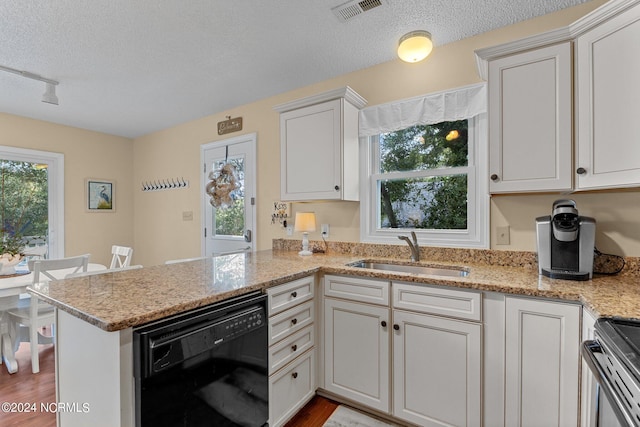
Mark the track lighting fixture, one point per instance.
(49, 95)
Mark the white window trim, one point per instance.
(55, 166)
(477, 233)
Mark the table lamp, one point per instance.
(305, 222)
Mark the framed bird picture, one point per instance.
(100, 195)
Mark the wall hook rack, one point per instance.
(164, 184)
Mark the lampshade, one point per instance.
(415, 46)
(305, 221)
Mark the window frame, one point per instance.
(55, 165)
(476, 234)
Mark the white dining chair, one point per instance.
(121, 256)
(108, 270)
(37, 313)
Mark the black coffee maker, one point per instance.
(565, 243)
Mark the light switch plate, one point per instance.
(187, 216)
(502, 235)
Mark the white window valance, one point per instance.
(457, 104)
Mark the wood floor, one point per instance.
(314, 414)
(25, 387)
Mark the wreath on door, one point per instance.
(224, 182)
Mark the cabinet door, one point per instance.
(530, 121)
(436, 384)
(356, 352)
(542, 362)
(310, 152)
(291, 388)
(608, 90)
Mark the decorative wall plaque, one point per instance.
(229, 125)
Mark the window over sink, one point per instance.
(422, 173)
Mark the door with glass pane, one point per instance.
(229, 205)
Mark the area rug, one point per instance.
(345, 417)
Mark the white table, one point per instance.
(10, 290)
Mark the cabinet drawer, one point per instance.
(290, 388)
(289, 348)
(280, 298)
(290, 321)
(437, 300)
(357, 289)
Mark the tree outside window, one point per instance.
(422, 180)
(23, 203)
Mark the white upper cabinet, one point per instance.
(608, 91)
(531, 113)
(319, 146)
(530, 120)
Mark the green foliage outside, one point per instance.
(23, 204)
(431, 202)
(230, 219)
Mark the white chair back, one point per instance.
(108, 270)
(121, 256)
(39, 313)
(46, 267)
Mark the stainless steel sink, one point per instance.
(415, 269)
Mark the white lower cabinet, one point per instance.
(356, 351)
(542, 361)
(436, 370)
(291, 388)
(292, 366)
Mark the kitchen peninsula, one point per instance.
(96, 313)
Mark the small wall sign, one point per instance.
(229, 125)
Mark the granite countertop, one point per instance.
(116, 301)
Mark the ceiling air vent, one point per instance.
(352, 9)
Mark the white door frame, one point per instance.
(55, 184)
(204, 199)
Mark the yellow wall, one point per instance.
(86, 155)
(160, 232)
(152, 221)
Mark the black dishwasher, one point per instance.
(206, 367)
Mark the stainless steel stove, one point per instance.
(614, 358)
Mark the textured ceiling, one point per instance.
(129, 68)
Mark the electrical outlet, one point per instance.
(324, 230)
(502, 235)
(289, 230)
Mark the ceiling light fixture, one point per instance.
(415, 46)
(49, 95)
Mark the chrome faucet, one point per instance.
(415, 249)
